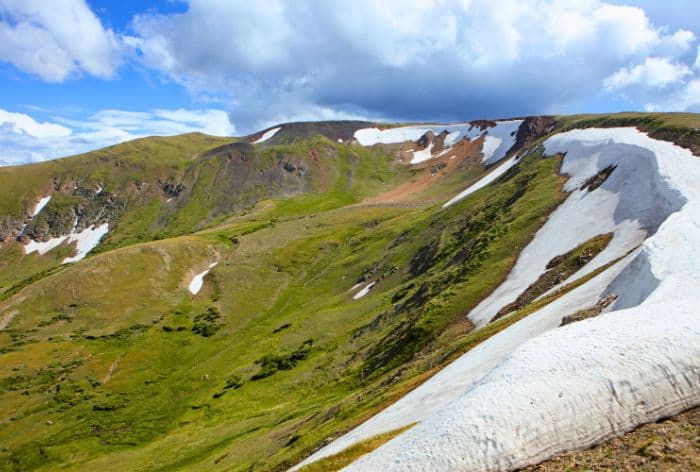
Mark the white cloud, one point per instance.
(24, 139)
(410, 59)
(654, 72)
(20, 123)
(56, 39)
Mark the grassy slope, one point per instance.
(95, 371)
(278, 271)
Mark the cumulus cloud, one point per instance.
(654, 72)
(57, 39)
(25, 139)
(408, 59)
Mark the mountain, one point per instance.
(488, 294)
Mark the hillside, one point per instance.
(250, 303)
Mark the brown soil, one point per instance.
(669, 445)
(322, 175)
(591, 312)
(463, 154)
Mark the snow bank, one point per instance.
(518, 397)
(365, 290)
(198, 280)
(42, 247)
(40, 206)
(267, 135)
(567, 389)
(87, 240)
(483, 182)
(499, 138)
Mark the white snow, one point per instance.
(490, 146)
(499, 138)
(40, 206)
(634, 200)
(267, 135)
(518, 397)
(198, 280)
(422, 155)
(355, 287)
(87, 240)
(365, 290)
(43, 247)
(483, 182)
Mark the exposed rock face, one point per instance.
(74, 211)
(533, 128)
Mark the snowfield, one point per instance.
(267, 135)
(534, 389)
(198, 280)
(497, 142)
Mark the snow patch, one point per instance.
(422, 155)
(490, 146)
(42, 247)
(365, 290)
(267, 135)
(355, 287)
(483, 182)
(87, 240)
(40, 206)
(198, 280)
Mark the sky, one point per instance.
(77, 75)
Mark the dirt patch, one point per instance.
(672, 444)
(7, 318)
(598, 179)
(591, 312)
(464, 154)
(322, 174)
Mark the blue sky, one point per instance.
(77, 75)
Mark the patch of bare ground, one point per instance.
(322, 174)
(110, 371)
(464, 154)
(591, 312)
(669, 445)
(7, 318)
